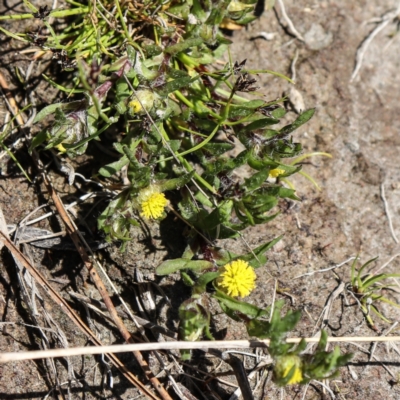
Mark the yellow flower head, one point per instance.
(135, 106)
(237, 278)
(151, 203)
(284, 365)
(142, 101)
(274, 173)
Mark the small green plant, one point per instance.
(291, 365)
(367, 290)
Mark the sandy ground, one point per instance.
(357, 121)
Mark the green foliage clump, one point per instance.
(147, 71)
(367, 290)
(291, 366)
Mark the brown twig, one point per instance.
(11, 101)
(78, 240)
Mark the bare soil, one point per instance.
(357, 122)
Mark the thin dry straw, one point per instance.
(217, 344)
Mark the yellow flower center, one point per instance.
(274, 173)
(153, 206)
(237, 278)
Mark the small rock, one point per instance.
(316, 38)
(296, 100)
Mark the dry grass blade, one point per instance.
(385, 20)
(12, 104)
(185, 345)
(78, 242)
(71, 313)
(289, 22)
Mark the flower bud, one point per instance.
(143, 100)
(288, 365)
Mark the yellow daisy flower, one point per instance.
(284, 365)
(151, 203)
(237, 278)
(274, 173)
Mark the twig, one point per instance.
(293, 65)
(328, 389)
(332, 297)
(289, 22)
(12, 104)
(202, 345)
(385, 204)
(368, 40)
(49, 214)
(325, 269)
(240, 373)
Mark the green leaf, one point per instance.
(176, 183)
(256, 258)
(239, 306)
(365, 265)
(245, 109)
(260, 329)
(176, 84)
(301, 119)
(38, 139)
(170, 266)
(227, 164)
(258, 163)
(376, 278)
(218, 12)
(216, 149)
(200, 286)
(256, 179)
(50, 109)
(152, 50)
(131, 156)
(182, 46)
(278, 113)
(259, 202)
(194, 321)
(259, 124)
(161, 149)
(260, 219)
(219, 215)
(111, 169)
